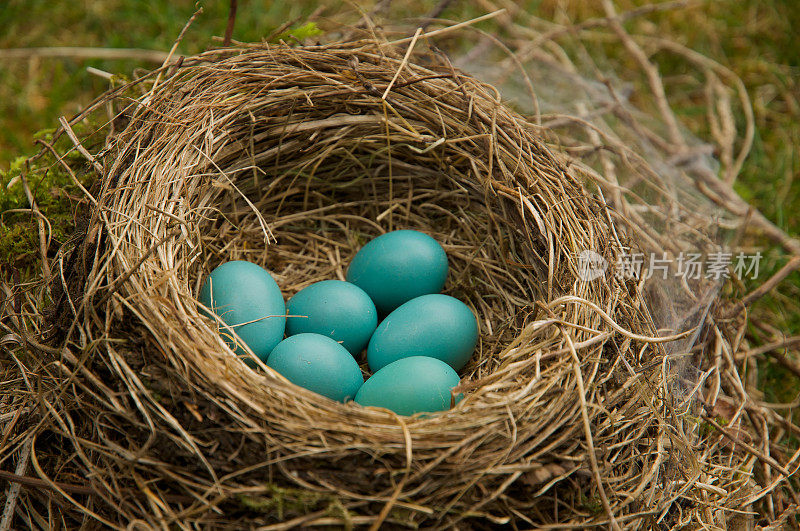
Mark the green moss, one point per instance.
(706, 428)
(593, 505)
(17, 243)
(283, 501)
(404, 516)
(299, 34)
(56, 195)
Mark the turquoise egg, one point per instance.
(438, 326)
(397, 267)
(333, 308)
(411, 385)
(242, 292)
(319, 364)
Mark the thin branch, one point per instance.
(13, 491)
(231, 22)
(790, 267)
(82, 150)
(654, 79)
(174, 47)
(786, 363)
(402, 63)
(776, 345)
(44, 242)
(81, 52)
(449, 29)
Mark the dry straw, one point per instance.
(136, 414)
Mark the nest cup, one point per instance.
(293, 158)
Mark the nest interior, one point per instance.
(294, 157)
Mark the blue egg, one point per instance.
(397, 267)
(333, 308)
(438, 326)
(411, 385)
(319, 364)
(247, 299)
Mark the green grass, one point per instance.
(754, 38)
(35, 92)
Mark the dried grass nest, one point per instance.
(294, 157)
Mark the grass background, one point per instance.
(754, 38)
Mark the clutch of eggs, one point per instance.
(414, 353)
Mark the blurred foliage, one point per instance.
(35, 91)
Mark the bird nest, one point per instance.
(293, 158)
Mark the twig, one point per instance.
(747, 106)
(776, 345)
(13, 490)
(790, 267)
(402, 63)
(82, 150)
(650, 70)
(788, 364)
(43, 240)
(590, 23)
(174, 47)
(80, 52)
(231, 22)
(448, 29)
(734, 202)
(99, 73)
